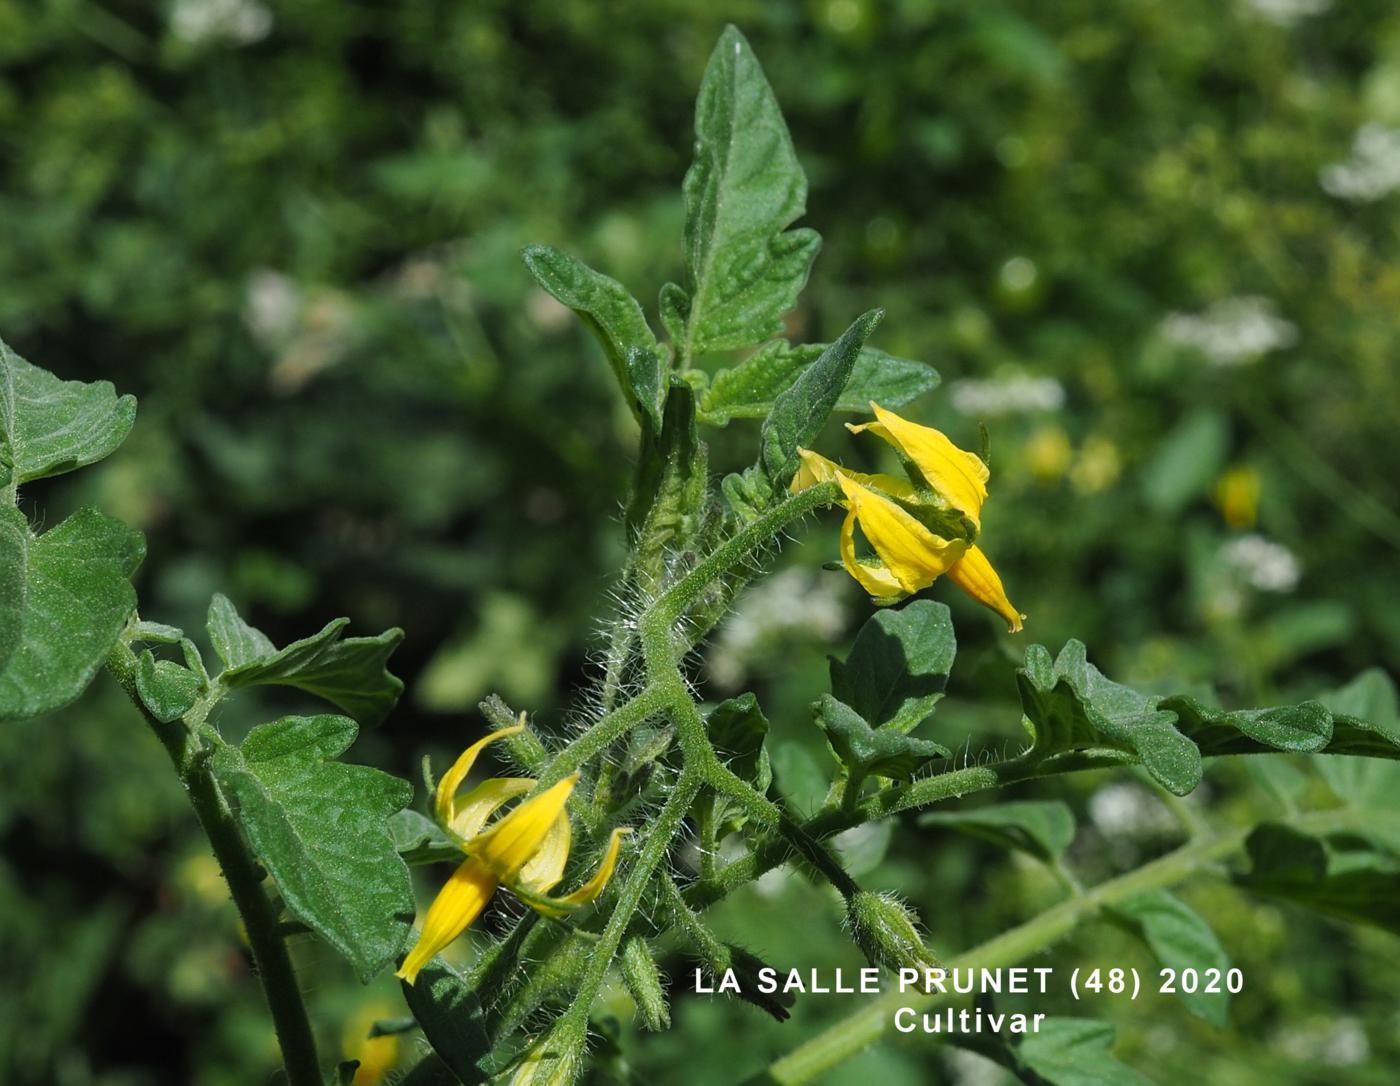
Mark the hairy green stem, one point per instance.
(869, 1023)
(610, 728)
(660, 835)
(241, 872)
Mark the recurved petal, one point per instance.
(453, 778)
(546, 867)
(459, 902)
(470, 812)
(956, 474)
(912, 554)
(594, 886)
(975, 576)
(876, 580)
(514, 839)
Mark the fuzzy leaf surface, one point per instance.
(67, 598)
(321, 828)
(49, 426)
(744, 188)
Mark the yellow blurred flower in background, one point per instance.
(1237, 496)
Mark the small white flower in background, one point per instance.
(272, 307)
(1287, 12)
(240, 22)
(1231, 332)
(800, 601)
(1340, 1042)
(1006, 394)
(1372, 171)
(1128, 810)
(1262, 563)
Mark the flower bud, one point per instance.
(643, 980)
(887, 932)
(554, 1060)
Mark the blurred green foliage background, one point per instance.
(1152, 245)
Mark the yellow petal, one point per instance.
(814, 469)
(458, 903)
(546, 867)
(956, 474)
(876, 580)
(453, 778)
(912, 554)
(818, 469)
(594, 886)
(470, 812)
(975, 576)
(513, 841)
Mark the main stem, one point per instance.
(270, 957)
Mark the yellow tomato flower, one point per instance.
(920, 528)
(524, 850)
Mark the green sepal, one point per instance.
(800, 412)
(321, 828)
(865, 751)
(643, 979)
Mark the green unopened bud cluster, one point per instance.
(643, 979)
(887, 931)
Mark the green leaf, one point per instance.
(1342, 876)
(419, 840)
(351, 673)
(166, 689)
(1072, 706)
(1364, 782)
(865, 751)
(67, 597)
(1073, 1052)
(799, 414)
(611, 314)
(451, 1017)
(737, 729)
(1188, 460)
(646, 371)
(321, 828)
(898, 667)
(745, 187)
(49, 426)
(234, 640)
(1179, 939)
(747, 391)
(1307, 728)
(1044, 829)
